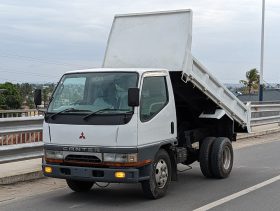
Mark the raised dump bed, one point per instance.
(163, 40)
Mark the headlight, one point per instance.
(54, 154)
(120, 158)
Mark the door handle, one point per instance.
(172, 127)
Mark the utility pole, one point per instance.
(261, 85)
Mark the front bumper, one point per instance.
(133, 175)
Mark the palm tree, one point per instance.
(252, 80)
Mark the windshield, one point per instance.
(91, 92)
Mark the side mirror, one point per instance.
(38, 97)
(133, 97)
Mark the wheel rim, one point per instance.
(161, 173)
(226, 158)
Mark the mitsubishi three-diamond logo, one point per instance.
(82, 136)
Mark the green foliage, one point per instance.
(25, 89)
(15, 96)
(252, 81)
(10, 98)
(30, 102)
(27, 94)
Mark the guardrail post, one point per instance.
(249, 116)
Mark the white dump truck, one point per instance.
(150, 107)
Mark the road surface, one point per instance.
(253, 185)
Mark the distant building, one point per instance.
(268, 95)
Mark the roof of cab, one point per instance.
(139, 70)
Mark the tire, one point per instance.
(155, 187)
(79, 186)
(205, 156)
(221, 158)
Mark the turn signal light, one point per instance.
(48, 169)
(120, 174)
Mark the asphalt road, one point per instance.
(253, 165)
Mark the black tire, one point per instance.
(205, 156)
(151, 188)
(79, 186)
(221, 158)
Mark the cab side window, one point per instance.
(154, 97)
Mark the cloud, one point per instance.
(226, 34)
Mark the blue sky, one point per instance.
(40, 40)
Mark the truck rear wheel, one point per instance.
(160, 176)
(221, 157)
(79, 186)
(205, 156)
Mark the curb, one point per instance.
(21, 177)
(242, 136)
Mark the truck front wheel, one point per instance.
(221, 157)
(79, 186)
(160, 176)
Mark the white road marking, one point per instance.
(76, 206)
(238, 194)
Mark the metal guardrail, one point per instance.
(265, 113)
(12, 153)
(19, 113)
(21, 138)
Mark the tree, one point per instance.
(25, 90)
(10, 99)
(252, 80)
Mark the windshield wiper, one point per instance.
(106, 109)
(65, 111)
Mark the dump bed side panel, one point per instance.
(150, 40)
(207, 83)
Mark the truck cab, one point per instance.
(90, 126)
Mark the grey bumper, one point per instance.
(133, 175)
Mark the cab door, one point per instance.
(157, 114)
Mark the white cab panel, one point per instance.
(127, 134)
(46, 133)
(159, 127)
(95, 135)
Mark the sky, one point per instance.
(40, 40)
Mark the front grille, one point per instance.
(83, 158)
